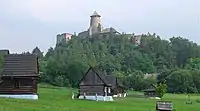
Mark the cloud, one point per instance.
(116, 10)
(33, 20)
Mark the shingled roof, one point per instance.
(20, 65)
(4, 52)
(151, 88)
(109, 80)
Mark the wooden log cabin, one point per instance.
(19, 76)
(151, 91)
(96, 84)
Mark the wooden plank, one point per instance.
(164, 105)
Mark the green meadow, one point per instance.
(59, 99)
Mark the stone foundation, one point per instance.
(97, 98)
(23, 96)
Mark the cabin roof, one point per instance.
(102, 76)
(4, 52)
(151, 89)
(20, 65)
(109, 80)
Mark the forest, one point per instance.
(176, 60)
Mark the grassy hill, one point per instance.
(59, 99)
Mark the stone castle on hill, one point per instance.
(96, 28)
(63, 37)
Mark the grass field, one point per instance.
(59, 99)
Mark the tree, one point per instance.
(36, 51)
(49, 53)
(181, 81)
(117, 54)
(196, 78)
(183, 50)
(161, 89)
(193, 63)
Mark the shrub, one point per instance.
(198, 100)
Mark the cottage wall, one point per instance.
(91, 84)
(18, 86)
(95, 82)
(91, 90)
(20, 73)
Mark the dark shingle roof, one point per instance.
(109, 80)
(149, 90)
(119, 83)
(4, 52)
(152, 88)
(102, 76)
(20, 65)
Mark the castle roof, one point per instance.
(107, 30)
(95, 14)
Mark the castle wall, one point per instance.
(63, 37)
(95, 25)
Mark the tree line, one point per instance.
(175, 60)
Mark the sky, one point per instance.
(25, 24)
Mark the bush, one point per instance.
(61, 81)
(198, 100)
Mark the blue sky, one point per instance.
(25, 24)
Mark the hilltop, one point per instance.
(65, 64)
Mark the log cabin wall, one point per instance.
(20, 74)
(91, 90)
(19, 86)
(91, 84)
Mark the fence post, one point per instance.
(73, 95)
(84, 95)
(96, 97)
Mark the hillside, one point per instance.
(65, 64)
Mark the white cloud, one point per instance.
(32, 17)
(71, 10)
(116, 10)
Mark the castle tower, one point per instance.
(95, 24)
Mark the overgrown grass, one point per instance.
(59, 99)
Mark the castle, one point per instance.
(96, 27)
(64, 37)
